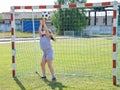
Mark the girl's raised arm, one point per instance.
(40, 27)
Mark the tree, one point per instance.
(63, 2)
(69, 19)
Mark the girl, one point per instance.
(46, 47)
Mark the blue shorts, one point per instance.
(48, 54)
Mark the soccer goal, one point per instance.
(94, 55)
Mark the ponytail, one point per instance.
(52, 37)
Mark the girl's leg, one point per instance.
(49, 62)
(43, 67)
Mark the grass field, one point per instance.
(80, 64)
(21, 34)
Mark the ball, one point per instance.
(46, 14)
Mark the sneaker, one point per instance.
(43, 77)
(53, 79)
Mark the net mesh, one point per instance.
(87, 52)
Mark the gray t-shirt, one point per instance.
(45, 42)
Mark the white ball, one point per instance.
(46, 14)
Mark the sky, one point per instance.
(6, 4)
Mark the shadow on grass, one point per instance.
(19, 83)
(117, 85)
(54, 84)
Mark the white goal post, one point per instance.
(83, 5)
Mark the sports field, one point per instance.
(80, 64)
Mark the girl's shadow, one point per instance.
(54, 84)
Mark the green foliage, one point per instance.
(69, 19)
(70, 1)
(55, 20)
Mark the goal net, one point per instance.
(92, 51)
(69, 33)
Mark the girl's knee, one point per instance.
(43, 62)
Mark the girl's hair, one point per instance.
(52, 36)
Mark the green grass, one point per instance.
(79, 57)
(18, 33)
